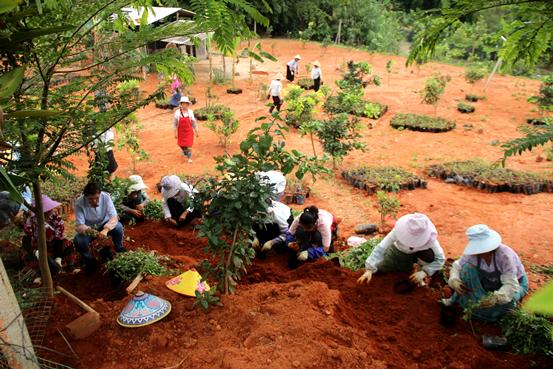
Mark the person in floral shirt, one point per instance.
(60, 250)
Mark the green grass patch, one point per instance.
(422, 123)
(485, 176)
(354, 258)
(390, 179)
(528, 333)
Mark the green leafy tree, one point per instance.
(339, 136)
(127, 139)
(300, 105)
(52, 121)
(433, 91)
(473, 75)
(224, 128)
(236, 202)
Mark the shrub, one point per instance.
(492, 178)
(474, 98)
(339, 136)
(387, 206)
(128, 264)
(216, 110)
(223, 128)
(473, 75)
(391, 179)
(465, 108)
(433, 90)
(354, 258)
(64, 189)
(306, 83)
(421, 123)
(118, 189)
(527, 333)
(154, 210)
(545, 99)
(219, 77)
(300, 105)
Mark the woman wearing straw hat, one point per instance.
(184, 124)
(292, 68)
(60, 250)
(275, 91)
(316, 75)
(135, 201)
(489, 274)
(414, 239)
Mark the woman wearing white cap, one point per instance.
(275, 91)
(135, 201)
(177, 201)
(275, 179)
(489, 273)
(184, 124)
(414, 239)
(316, 75)
(292, 68)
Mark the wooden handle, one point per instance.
(76, 300)
(134, 283)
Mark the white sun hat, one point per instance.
(415, 230)
(184, 99)
(482, 239)
(137, 183)
(297, 57)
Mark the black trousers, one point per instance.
(317, 84)
(289, 74)
(176, 209)
(277, 103)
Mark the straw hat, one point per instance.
(188, 283)
(482, 239)
(415, 230)
(316, 64)
(137, 183)
(297, 57)
(278, 76)
(184, 99)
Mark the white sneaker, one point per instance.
(190, 160)
(58, 261)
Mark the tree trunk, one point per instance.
(229, 260)
(313, 144)
(41, 246)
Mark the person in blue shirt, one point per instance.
(96, 217)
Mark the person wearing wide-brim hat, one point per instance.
(134, 202)
(292, 68)
(61, 252)
(489, 274)
(177, 203)
(184, 124)
(414, 239)
(316, 75)
(275, 92)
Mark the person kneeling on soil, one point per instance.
(177, 199)
(135, 201)
(59, 248)
(96, 217)
(489, 274)
(414, 239)
(273, 233)
(311, 235)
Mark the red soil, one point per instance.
(317, 316)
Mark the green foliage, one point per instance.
(534, 137)
(473, 75)
(128, 264)
(474, 98)
(127, 139)
(153, 210)
(541, 301)
(63, 188)
(527, 333)
(12, 234)
(306, 83)
(545, 98)
(391, 179)
(219, 77)
(387, 205)
(339, 136)
(237, 202)
(118, 189)
(207, 298)
(473, 306)
(421, 123)
(543, 269)
(216, 110)
(389, 68)
(433, 90)
(354, 258)
(465, 108)
(224, 128)
(300, 105)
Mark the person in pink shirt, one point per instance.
(311, 235)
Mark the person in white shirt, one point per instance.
(184, 125)
(272, 234)
(275, 179)
(275, 92)
(414, 239)
(177, 201)
(292, 68)
(104, 143)
(316, 75)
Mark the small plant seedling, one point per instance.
(387, 205)
(153, 210)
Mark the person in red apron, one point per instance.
(185, 127)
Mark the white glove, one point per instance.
(303, 255)
(366, 277)
(36, 254)
(458, 286)
(267, 246)
(418, 277)
(255, 243)
(488, 302)
(58, 261)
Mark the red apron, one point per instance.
(185, 132)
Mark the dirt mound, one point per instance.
(313, 317)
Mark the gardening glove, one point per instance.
(365, 278)
(255, 243)
(267, 246)
(302, 256)
(58, 262)
(458, 286)
(488, 302)
(293, 246)
(418, 277)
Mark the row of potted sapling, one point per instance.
(359, 179)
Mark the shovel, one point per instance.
(84, 325)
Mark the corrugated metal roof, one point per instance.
(157, 14)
